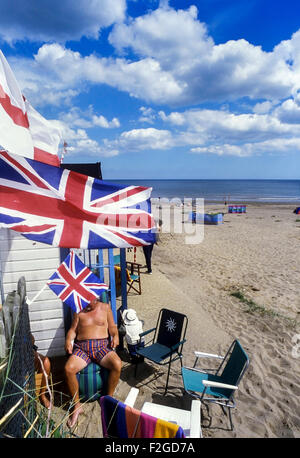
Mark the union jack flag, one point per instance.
(75, 284)
(67, 209)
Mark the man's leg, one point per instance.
(74, 365)
(113, 363)
(47, 368)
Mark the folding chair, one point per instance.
(220, 386)
(134, 281)
(132, 272)
(167, 343)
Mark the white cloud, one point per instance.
(144, 139)
(57, 20)
(221, 150)
(289, 111)
(76, 117)
(176, 63)
(202, 70)
(168, 36)
(148, 115)
(274, 146)
(263, 107)
(172, 61)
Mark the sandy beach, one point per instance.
(256, 254)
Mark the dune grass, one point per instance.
(253, 307)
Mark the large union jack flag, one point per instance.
(66, 209)
(75, 284)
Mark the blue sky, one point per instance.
(164, 89)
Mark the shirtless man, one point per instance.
(89, 331)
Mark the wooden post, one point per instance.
(123, 277)
(112, 283)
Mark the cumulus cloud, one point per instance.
(202, 70)
(57, 20)
(166, 57)
(289, 111)
(144, 139)
(76, 117)
(148, 115)
(275, 146)
(173, 61)
(55, 67)
(79, 142)
(225, 133)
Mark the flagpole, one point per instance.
(37, 295)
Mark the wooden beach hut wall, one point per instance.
(49, 317)
(36, 262)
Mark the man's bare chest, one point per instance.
(96, 317)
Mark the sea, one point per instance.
(255, 191)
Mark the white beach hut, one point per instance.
(36, 262)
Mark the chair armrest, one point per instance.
(200, 354)
(133, 266)
(146, 332)
(172, 349)
(177, 345)
(195, 429)
(131, 397)
(219, 385)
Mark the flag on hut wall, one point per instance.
(67, 209)
(75, 284)
(23, 130)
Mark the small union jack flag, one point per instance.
(75, 284)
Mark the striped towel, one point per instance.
(119, 420)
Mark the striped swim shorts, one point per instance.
(91, 349)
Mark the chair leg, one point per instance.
(229, 414)
(167, 383)
(230, 418)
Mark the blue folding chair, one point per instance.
(167, 343)
(218, 387)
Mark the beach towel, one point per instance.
(122, 421)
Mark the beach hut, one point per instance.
(50, 319)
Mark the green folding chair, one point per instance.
(220, 386)
(167, 343)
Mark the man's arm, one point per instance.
(71, 334)
(112, 328)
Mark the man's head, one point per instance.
(94, 302)
(91, 305)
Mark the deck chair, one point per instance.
(121, 420)
(133, 274)
(220, 386)
(134, 281)
(167, 343)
